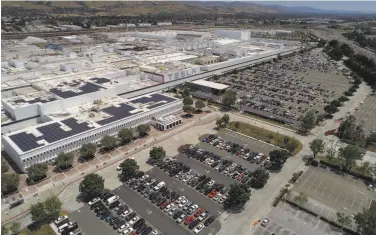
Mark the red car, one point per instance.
(240, 177)
(212, 193)
(198, 212)
(188, 220)
(164, 205)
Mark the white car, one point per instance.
(144, 177)
(198, 228)
(123, 227)
(61, 218)
(171, 212)
(127, 231)
(181, 198)
(168, 207)
(127, 212)
(181, 218)
(94, 201)
(211, 183)
(194, 207)
(151, 182)
(203, 216)
(134, 220)
(265, 222)
(155, 232)
(183, 202)
(118, 168)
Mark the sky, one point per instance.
(364, 6)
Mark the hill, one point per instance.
(144, 7)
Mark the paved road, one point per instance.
(190, 193)
(206, 170)
(149, 212)
(89, 223)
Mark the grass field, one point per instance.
(338, 162)
(43, 230)
(286, 142)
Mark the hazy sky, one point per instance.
(366, 6)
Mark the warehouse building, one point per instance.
(208, 87)
(87, 123)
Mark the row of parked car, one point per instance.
(227, 167)
(202, 183)
(238, 150)
(179, 208)
(121, 217)
(65, 227)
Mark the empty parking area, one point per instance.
(89, 223)
(367, 113)
(339, 191)
(288, 220)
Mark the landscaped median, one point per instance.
(337, 163)
(42, 230)
(282, 141)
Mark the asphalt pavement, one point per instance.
(89, 223)
(206, 170)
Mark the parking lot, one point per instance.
(286, 89)
(342, 192)
(89, 223)
(288, 220)
(366, 112)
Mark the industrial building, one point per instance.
(47, 91)
(208, 87)
(86, 123)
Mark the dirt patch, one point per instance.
(58, 177)
(71, 172)
(83, 167)
(29, 190)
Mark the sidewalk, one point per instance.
(57, 188)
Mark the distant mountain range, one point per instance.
(155, 7)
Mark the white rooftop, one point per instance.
(213, 85)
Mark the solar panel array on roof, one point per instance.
(84, 89)
(35, 100)
(100, 80)
(51, 133)
(155, 98)
(155, 105)
(117, 113)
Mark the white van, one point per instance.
(112, 200)
(62, 227)
(159, 186)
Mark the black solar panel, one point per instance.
(117, 113)
(84, 89)
(51, 133)
(100, 80)
(153, 98)
(35, 100)
(155, 105)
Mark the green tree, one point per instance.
(371, 140)
(349, 155)
(186, 92)
(317, 146)
(4, 230)
(64, 160)
(52, 207)
(336, 103)
(259, 178)
(226, 119)
(92, 185)
(350, 130)
(199, 104)
(343, 219)
(37, 172)
(38, 212)
(301, 199)
(9, 183)
(108, 142)
(129, 168)
(279, 157)
(219, 122)
(187, 100)
(229, 98)
(343, 98)
(331, 109)
(143, 129)
(331, 153)
(157, 154)
(88, 151)
(125, 135)
(366, 221)
(365, 167)
(238, 195)
(188, 109)
(308, 121)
